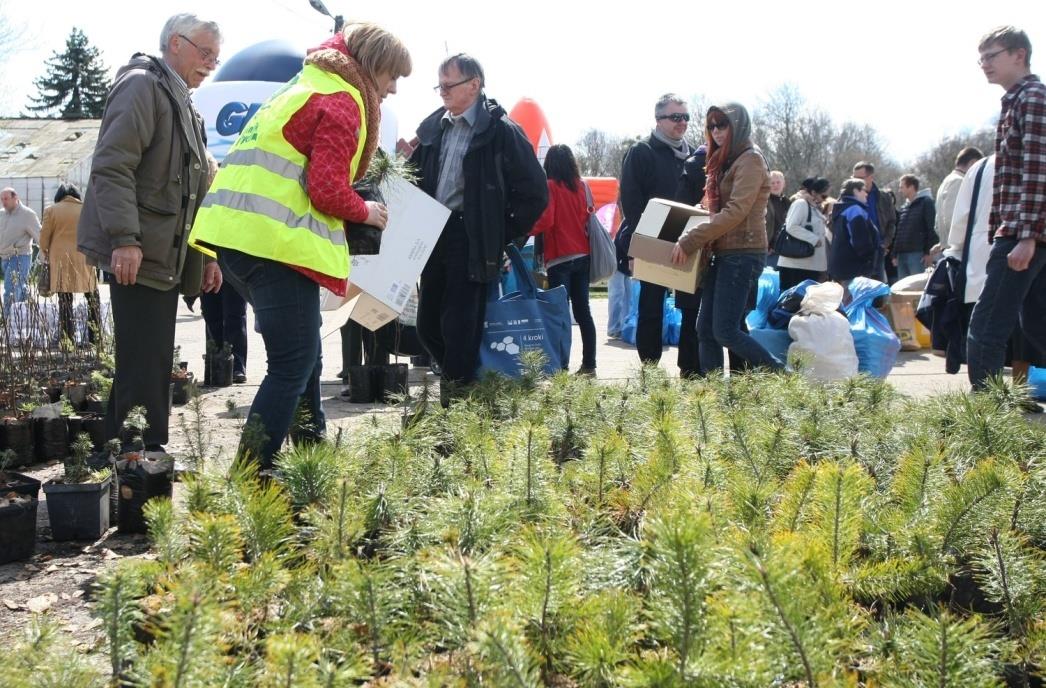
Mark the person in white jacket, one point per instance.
(806, 222)
(950, 186)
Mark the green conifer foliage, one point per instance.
(76, 85)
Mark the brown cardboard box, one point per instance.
(902, 319)
(660, 226)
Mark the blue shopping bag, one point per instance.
(876, 344)
(525, 320)
(766, 298)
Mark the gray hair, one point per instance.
(664, 101)
(469, 67)
(186, 23)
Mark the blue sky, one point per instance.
(909, 69)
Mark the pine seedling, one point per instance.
(117, 593)
(310, 472)
(263, 512)
(39, 661)
(253, 439)
(837, 515)
(216, 543)
(197, 432)
(939, 650)
(291, 659)
(969, 508)
(462, 590)
(336, 527)
(603, 638)
(680, 543)
(135, 425)
(363, 591)
(1013, 575)
(166, 530)
(504, 657)
(795, 506)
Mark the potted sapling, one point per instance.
(78, 503)
(181, 380)
(18, 504)
(142, 474)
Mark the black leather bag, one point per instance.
(789, 246)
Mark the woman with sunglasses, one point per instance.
(736, 192)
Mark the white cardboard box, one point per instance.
(388, 279)
(660, 226)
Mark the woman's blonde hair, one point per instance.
(377, 50)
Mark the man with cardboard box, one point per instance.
(478, 163)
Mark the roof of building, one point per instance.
(45, 147)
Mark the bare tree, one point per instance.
(599, 154)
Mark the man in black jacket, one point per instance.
(652, 169)
(476, 161)
(915, 230)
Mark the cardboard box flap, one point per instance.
(658, 251)
(667, 220)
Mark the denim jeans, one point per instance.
(16, 277)
(724, 298)
(225, 319)
(909, 263)
(1007, 296)
(619, 302)
(573, 274)
(287, 313)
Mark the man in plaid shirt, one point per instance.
(1016, 273)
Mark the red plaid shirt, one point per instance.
(1019, 191)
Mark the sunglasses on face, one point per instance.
(676, 117)
(712, 126)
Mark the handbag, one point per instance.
(791, 247)
(525, 320)
(43, 279)
(601, 251)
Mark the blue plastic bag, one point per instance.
(774, 341)
(876, 344)
(787, 305)
(670, 326)
(1037, 382)
(525, 320)
(766, 296)
(510, 280)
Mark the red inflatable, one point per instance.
(528, 115)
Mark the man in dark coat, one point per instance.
(915, 230)
(476, 161)
(652, 169)
(148, 178)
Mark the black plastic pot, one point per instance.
(79, 511)
(54, 393)
(17, 528)
(220, 366)
(364, 240)
(142, 476)
(76, 393)
(393, 381)
(95, 406)
(98, 461)
(19, 484)
(364, 383)
(50, 437)
(95, 427)
(74, 425)
(182, 386)
(18, 437)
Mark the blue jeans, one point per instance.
(16, 277)
(573, 274)
(1007, 296)
(724, 297)
(619, 302)
(287, 313)
(910, 263)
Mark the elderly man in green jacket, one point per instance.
(148, 178)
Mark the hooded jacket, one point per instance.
(915, 229)
(744, 187)
(148, 178)
(856, 249)
(505, 187)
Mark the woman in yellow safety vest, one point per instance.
(275, 214)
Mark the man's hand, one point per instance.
(212, 278)
(124, 263)
(377, 215)
(406, 148)
(679, 256)
(1020, 257)
(927, 260)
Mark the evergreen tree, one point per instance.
(75, 84)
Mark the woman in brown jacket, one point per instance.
(736, 191)
(70, 273)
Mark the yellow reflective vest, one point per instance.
(258, 203)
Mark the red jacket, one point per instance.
(564, 221)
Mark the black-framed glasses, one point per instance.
(445, 88)
(713, 126)
(988, 57)
(676, 117)
(205, 53)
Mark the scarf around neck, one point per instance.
(680, 148)
(336, 62)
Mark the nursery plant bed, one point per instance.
(79, 511)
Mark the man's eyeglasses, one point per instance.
(676, 117)
(712, 126)
(445, 88)
(205, 53)
(988, 57)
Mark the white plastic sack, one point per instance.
(821, 335)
